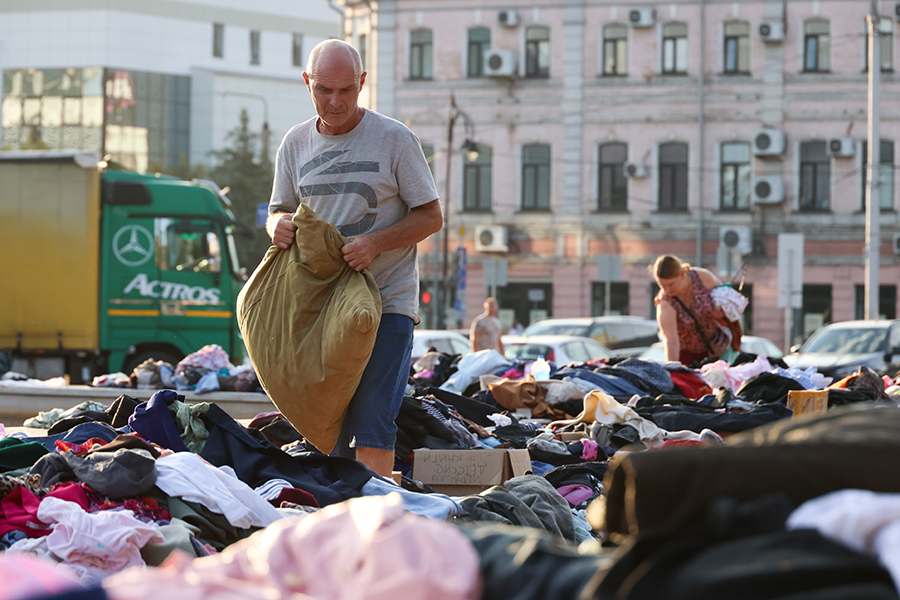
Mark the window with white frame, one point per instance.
(536, 177)
(218, 49)
(737, 47)
(477, 181)
(886, 187)
(673, 177)
(615, 49)
(479, 43)
(816, 46)
(420, 54)
(815, 177)
(886, 39)
(674, 49)
(254, 47)
(537, 51)
(613, 185)
(734, 171)
(297, 50)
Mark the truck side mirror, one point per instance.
(215, 252)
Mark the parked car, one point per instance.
(561, 349)
(749, 343)
(441, 340)
(839, 349)
(624, 335)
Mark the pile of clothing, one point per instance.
(646, 481)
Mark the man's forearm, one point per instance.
(421, 222)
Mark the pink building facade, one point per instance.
(613, 132)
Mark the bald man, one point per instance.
(366, 174)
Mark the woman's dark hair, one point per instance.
(668, 266)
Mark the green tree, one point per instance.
(244, 166)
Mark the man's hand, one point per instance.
(282, 230)
(360, 251)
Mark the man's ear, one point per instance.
(306, 79)
(362, 79)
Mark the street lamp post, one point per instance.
(440, 301)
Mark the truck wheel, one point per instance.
(163, 355)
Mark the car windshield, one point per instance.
(528, 351)
(551, 328)
(847, 341)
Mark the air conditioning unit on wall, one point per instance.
(508, 18)
(734, 237)
(635, 169)
(768, 190)
(491, 238)
(768, 142)
(641, 17)
(500, 63)
(841, 147)
(771, 31)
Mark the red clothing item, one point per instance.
(18, 509)
(689, 384)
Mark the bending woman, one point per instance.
(689, 321)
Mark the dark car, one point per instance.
(838, 349)
(624, 335)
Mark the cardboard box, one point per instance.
(465, 472)
(804, 402)
(570, 436)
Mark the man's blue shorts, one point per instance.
(376, 403)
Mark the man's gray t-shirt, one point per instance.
(361, 181)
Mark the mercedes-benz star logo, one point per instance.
(133, 245)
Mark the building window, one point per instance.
(537, 51)
(218, 40)
(816, 46)
(618, 298)
(613, 186)
(735, 174)
(673, 177)
(362, 50)
(477, 181)
(886, 159)
(420, 54)
(615, 49)
(479, 44)
(737, 47)
(886, 37)
(674, 46)
(887, 302)
(815, 177)
(536, 177)
(428, 151)
(254, 47)
(816, 309)
(297, 50)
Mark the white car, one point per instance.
(449, 342)
(561, 349)
(749, 343)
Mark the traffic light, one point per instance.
(426, 297)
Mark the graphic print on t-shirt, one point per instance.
(359, 188)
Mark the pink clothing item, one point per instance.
(576, 493)
(27, 576)
(589, 449)
(365, 548)
(95, 544)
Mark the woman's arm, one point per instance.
(668, 329)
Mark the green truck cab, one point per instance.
(104, 268)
